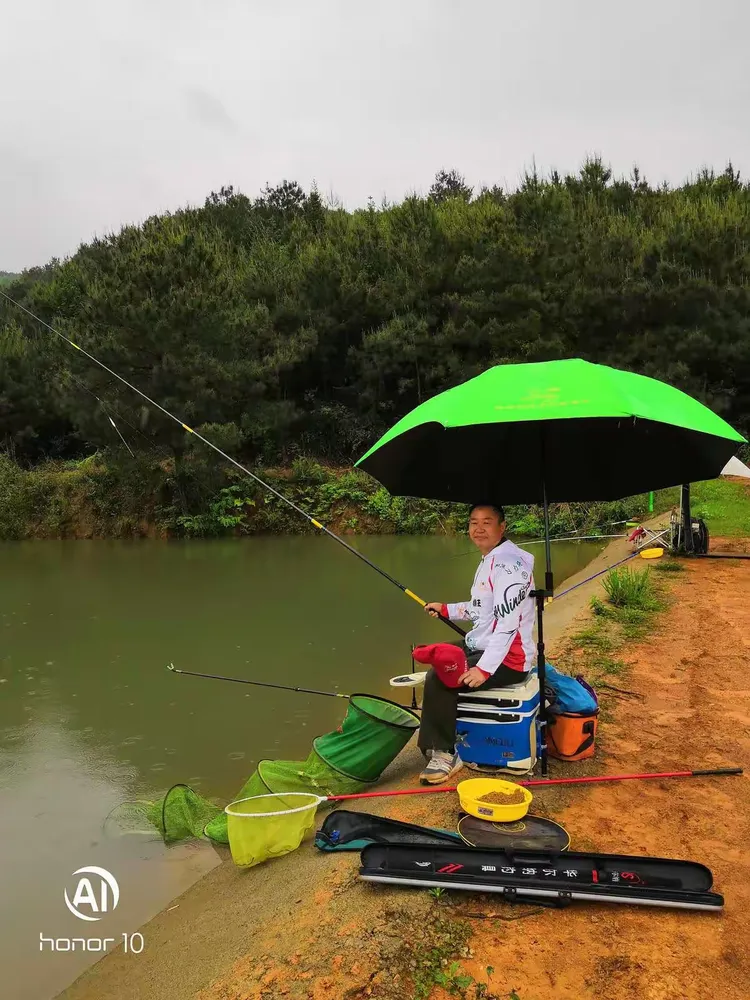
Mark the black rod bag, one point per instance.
(343, 830)
(562, 876)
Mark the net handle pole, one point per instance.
(264, 684)
(553, 781)
(278, 687)
(632, 777)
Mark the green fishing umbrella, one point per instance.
(558, 431)
(570, 429)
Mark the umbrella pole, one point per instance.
(541, 596)
(548, 582)
(541, 673)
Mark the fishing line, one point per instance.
(106, 411)
(232, 461)
(67, 373)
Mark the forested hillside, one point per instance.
(289, 328)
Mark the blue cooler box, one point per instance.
(499, 727)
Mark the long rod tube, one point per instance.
(536, 782)
(234, 462)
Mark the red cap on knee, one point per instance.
(448, 661)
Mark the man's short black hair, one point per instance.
(493, 506)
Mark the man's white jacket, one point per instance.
(500, 609)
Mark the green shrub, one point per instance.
(626, 588)
(225, 514)
(15, 509)
(307, 470)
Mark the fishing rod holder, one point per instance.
(540, 596)
(414, 689)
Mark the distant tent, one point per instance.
(735, 467)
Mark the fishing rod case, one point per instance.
(552, 875)
(343, 830)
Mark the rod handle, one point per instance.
(436, 614)
(720, 770)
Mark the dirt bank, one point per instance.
(305, 927)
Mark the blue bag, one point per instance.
(569, 695)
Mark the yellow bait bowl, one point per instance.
(472, 791)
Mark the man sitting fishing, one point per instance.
(496, 653)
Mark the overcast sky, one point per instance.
(112, 111)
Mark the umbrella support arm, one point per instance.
(540, 596)
(686, 518)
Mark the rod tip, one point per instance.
(171, 666)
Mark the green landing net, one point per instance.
(372, 734)
(368, 739)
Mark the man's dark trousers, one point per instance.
(440, 703)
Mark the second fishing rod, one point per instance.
(233, 461)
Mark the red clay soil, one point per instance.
(689, 708)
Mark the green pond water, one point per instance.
(91, 717)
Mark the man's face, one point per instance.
(486, 529)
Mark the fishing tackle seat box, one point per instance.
(498, 727)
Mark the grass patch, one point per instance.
(724, 506)
(429, 956)
(629, 590)
(633, 599)
(666, 565)
(610, 666)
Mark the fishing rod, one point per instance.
(234, 462)
(570, 538)
(633, 555)
(595, 575)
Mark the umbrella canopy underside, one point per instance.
(576, 460)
